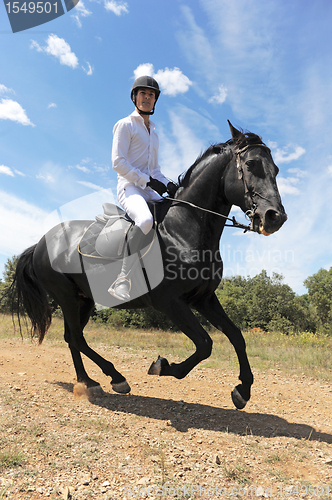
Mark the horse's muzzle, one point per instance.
(269, 223)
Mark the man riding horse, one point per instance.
(140, 180)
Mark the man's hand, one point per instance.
(171, 189)
(157, 186)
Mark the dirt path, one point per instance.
(170, 438)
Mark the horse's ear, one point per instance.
(235, 133)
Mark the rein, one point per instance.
(250, 213)
(235, 223)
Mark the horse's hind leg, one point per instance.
(81, 374)
(76, 315)
(213, 311)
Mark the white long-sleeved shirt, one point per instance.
(135, 152)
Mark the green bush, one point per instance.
(267, 303)
(260, 302)
(134, 318)
(146, 319)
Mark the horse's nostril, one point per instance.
(272, 216)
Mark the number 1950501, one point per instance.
(32, 7)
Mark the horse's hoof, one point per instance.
(95, 391)
(121, 387)
(157, 366)
(238, 400)
(82, 391)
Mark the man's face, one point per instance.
(145, 99)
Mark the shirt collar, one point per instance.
(135, 114)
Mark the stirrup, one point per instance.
(121, 280)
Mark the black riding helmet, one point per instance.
(145, 82)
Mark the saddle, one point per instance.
(106, 237)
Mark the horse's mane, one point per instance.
(212, 150)
(245, 138)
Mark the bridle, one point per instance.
(250, 214)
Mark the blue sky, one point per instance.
(265, 66)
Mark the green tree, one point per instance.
(8, 275)
(233, 295)
(134, 318)
(271, 303)
(304, 314)
(264, 302)
(8, 304)
(319, 288)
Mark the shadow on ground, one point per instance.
(183, 416)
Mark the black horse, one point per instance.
(239, 172)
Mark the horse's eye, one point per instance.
(251, 163)
(256, 167)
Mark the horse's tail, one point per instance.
(30, 297)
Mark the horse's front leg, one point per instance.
(211, 308)
(182, 316)
(81, 373)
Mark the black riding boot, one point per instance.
(120, 289)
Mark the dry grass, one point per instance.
(302, 354)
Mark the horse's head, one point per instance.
(250, 182)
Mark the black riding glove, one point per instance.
(157, 186)
(171, 189)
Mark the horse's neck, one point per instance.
(204, 192)
(205, 188)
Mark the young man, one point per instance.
(135, 159)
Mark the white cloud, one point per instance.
(47, 177)
(82, 208)
(19, 173)
(286, 186)
(117, 8)
(90, 185)
(58, 48)
(329, 170)
(52, 105)
(6, 170)
(35, 45)
(12, 110)
(4, 89)
(21, 224)
(144, 69)
(89, 70)
(88, 165)
(80, 11)
(196, 45)
(298, 172)
(287, 154)
(171, 81)
(220, 97)
(190, 134)
(83, 169)
(228, 48)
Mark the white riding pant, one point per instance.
(133, 200)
